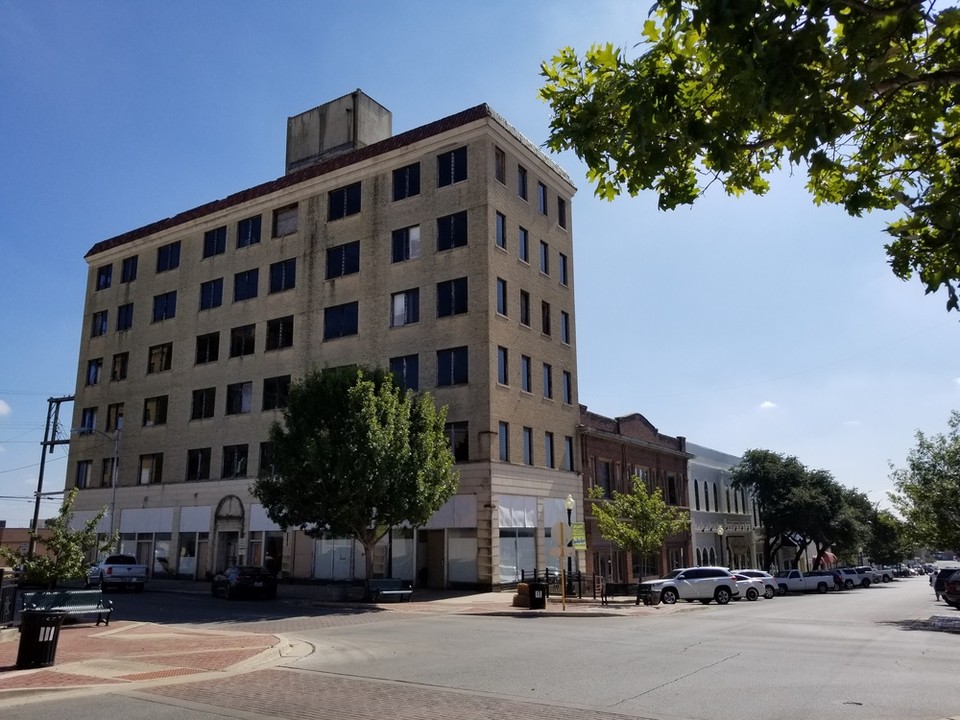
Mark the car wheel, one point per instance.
(782, 590)
(722, 595)
(752, 594)
(848, 584)
(668, 596)
(822, 588)
(837, 586)
(865, 583)
(886, 578)
(769, 592)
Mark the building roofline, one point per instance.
(437, 127)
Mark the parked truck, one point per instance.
(796, 581)
(117, 571)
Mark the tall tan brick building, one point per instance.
(443, 253)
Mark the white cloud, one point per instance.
(5, 409)
(767, 405)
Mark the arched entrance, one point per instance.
(229, 542)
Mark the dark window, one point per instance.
(564, 276)
(340, 321)
(248, 231)
(452, 297)
(528, 446)
(501, 231)
(285, 221)
(98, 324)
(406, 182)
(547, 381)
(280, 333)
(88, 420)
(406, 371)
(128, 269)
(523, 244)
(245, 284)
(503, 366)
(604, 477)
(234, 461)
(198, 464)
(283, 275)
(452, 366)
(239, 398)
(548, 449)
(243, 340)
(125, 317)
(526, 378)
(114, 417)
(165, 306)
(343, 202)
(160, 358)
(458, 436)
(542, 198)
(567, 388)
(452, 231)
(501, 297)
(672, 492)
(119, 369)
(211, 294)
(567, 453)
(451, 167)
(155, 411)
(215, 242)
(94, 371)
(545, 317)
(267, 465)
(343, 260)
(525, 308)
(405, 307)
(561, 212)
(204, 402)
(168, 257)
(82, 478)
(544, 258)
(500, 165)
(406, 244)
(104, 277)
(564, 327)
(522, 182)
(151, 469)
(275, 392)
(208, 348)
(504, 438)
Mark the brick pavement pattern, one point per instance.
(307, 695)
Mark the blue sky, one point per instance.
(741, 323)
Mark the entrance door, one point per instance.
(430, 559)
(202, 550)
(227, 543)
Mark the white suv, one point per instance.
(705, 584)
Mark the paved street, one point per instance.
(863, 654)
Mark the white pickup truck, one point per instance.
(796, 581)
(117, 571)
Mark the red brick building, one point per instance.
(613, 451)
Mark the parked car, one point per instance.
(750, 587)
(951, 590)
(852, 579)
(838, 578)
(769, 584)
(117, 571)
(940, 580)
(244, 580)
(705, 584)
(796, 581)
(875, 575)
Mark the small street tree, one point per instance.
(639, 521)
(927, 490)
(888, 544)
(66, 549)
(355, 455)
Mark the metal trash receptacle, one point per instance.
(39, 633)
(538, 596)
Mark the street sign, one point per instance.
(578, 536)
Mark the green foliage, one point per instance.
(638, 521)
(888, 543)
(67, 550)
(927, 490)
(861, 92)
(355, 455)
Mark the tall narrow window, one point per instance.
(406, 182)
(452, 366)
(248, 231)
(104, 276)
(344, 201)
(98, 324)
(452, 297)
(125, 317)
(458, 436)
(501, 231)
(522, 182)
(343, 260)
(452, 231)
(526, 381)
(561, 212)
(114, 417)
(545, 317)
(501, 297)
(211, 294)
(128, 269)
(500, 166)
(283, 275)
(451, 167)
(527, 446)
(567, 388)
(564, 270)
(523, 244)
(544, 258)
(168, 257)
(118, 370)
(503, 435)
(503, 366)
(405, 308)
(198, 464)
(94, 371)
(215, 242)
(547, 381)
(567, 453)
(151, 469)
(406, 371)
(406, 244)
(548, 449)
(84, 470)
(88, 420)
(165, 306)
(565, 327)
(542, 198)
(525, 308)
(234, 461)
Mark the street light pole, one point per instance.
(720, 531)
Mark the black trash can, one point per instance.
(538, 596)
(39, 633)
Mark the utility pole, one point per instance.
(47, 446)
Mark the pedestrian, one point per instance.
(602, 582)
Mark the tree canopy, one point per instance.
(354, 455)
(638, 521)
(863, 93)
(66, 550)
(927, 489)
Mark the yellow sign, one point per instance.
(578, 536)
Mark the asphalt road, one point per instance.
(862, 654)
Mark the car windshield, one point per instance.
(671, 575)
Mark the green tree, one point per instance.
(927, 490)
(354, 455)
(638, 521)
(860, 92)
(66, 550)
(888, 544)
